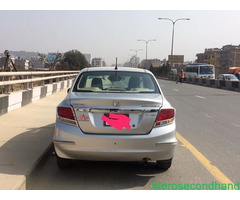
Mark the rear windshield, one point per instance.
(116, 81)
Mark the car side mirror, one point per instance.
(68, 90)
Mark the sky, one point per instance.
(109, 32)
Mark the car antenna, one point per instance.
(116, 64)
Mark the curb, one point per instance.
(27, 178)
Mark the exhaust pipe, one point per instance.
(145, 161)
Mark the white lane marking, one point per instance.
(208, 116)
(235, 125)
(200, 97)
(176, 90)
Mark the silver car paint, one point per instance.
(92, 141)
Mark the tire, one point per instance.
(63, 163)
(164, 164)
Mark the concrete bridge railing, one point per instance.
(28, 78)
(50, 82)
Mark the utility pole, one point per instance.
(147, 49)
(136, 50)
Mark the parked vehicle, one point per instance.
(200, 70)
(115, 115)
(234, 70)
(238, 75)
(228, 77)
(174, 72)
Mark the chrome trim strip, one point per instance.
(67, 121)
(63, 141)
(98, 110)
(166, 143)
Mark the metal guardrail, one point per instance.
(8, 79)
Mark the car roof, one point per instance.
(227, 74)
(193, 64)
(128, 69)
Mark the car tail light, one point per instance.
(65, 114)
(166, 116)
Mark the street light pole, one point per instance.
(136, 50)
(146, 49)
(173, 22)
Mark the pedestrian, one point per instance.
(182, 76)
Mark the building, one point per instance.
(88, 57)
(222, 59)
(133, 62)
(37, 63)
(97, 62)
(51, 57)
(21, 64)
(210, 56)
(230, 56)
(146, 64)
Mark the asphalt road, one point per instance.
(207, 118)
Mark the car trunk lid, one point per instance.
(112, 113)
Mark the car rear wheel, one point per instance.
(63, 163)
(164, 164)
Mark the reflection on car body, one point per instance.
(85, 127)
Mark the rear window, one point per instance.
(115, 81)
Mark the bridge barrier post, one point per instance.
(212, 82)
(222, 83)
(229, 85)
(25, 85)
(238, 87)
(217, 83)
(203, 81)
(234, 85)
(189, 79)
(31, 83)
(208, 82)
(195, 80)
(6, 88)
(42, 83)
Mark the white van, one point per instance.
(173, 72)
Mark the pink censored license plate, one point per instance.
(117, 121)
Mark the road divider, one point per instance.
(215, 83)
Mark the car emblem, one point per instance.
(115, 103)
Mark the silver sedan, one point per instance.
(115, 114)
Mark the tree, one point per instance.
(74, 60)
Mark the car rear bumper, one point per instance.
(71, 143)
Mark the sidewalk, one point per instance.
(25, 135)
